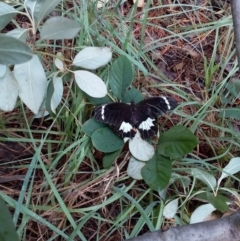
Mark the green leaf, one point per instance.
(219, 201)
(176, 142)
(93, 57)
(32, 82)
(230, 169)
(13, 51)
(7, 13)
(53, 97)
(59, 62)
(157, 172)
(140, 148)
(109, 158)
(50, 91)
(45, 108)
(59, 28)
(54, 94)
(105, 140)
(202, 195)
(132, 95)
(201, 213)
(3, 70)
(121, 76)
(225, 100)
(134, 168)
(205, 177)
(8, 91)
(7, 229)
(234, 87)
(230, 112)
(58, 92)
(41, 9)
(170, 209)
(33, 7)
(92, 125)
(90, 83)
(18, 33)
(99, 101)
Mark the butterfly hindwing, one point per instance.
(148, 127)
(111, 113)
(152, 108)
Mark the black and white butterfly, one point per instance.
(128, 118)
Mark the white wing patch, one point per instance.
(147, 124)
(102, 112)
(125, 127)
(167, 102)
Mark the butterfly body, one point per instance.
(126, 118)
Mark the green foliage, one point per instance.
(173, 144)
(132, 95)
(30, 78)
(234, 88)
(99, 101)
(7, 229)
(157, 172)
(7, 13)
(219, 201)
(121, 76)
(109, 158)
(210, 68)
(92, 125)
(50, 93)
(230, 113)
(176, 142)
(106, 141)
(69, 28)
(231, 93)
(13, 51)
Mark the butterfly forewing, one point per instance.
(111, 113)
(117, 115)
(156, 106)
